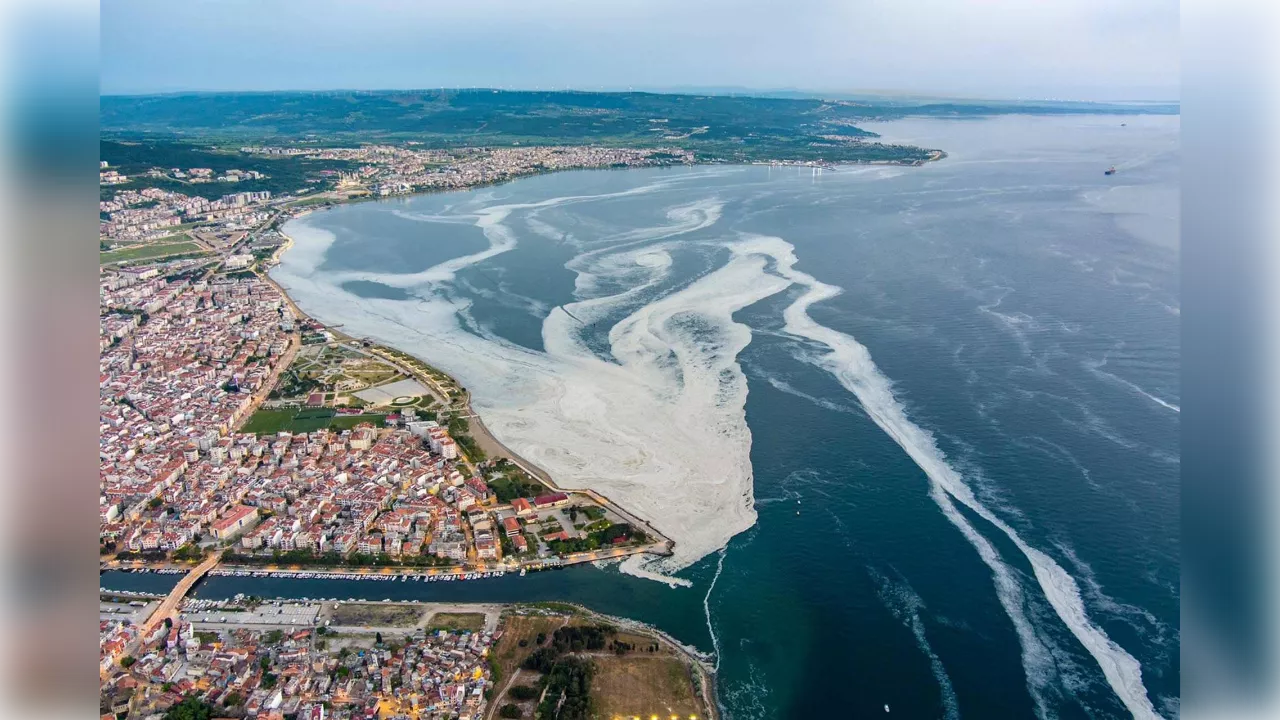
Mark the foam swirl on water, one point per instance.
(851, 364)
(659, 427)
(659, 424)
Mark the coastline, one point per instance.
(484, 437)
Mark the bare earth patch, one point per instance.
(378, 615)
(457, 621)
(642, 685)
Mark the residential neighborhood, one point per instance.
(266, 667)
(192, 460)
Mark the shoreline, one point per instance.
(485, 439)
(483, 436)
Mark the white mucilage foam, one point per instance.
(851, 364)
(659, 428)
(659, 425)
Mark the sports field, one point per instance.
(295, 420)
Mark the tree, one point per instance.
(510, 711)
(191, 708)
(523, 692)
(377, 638)
(233, 699)
(127, 661)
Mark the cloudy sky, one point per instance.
(1070, 49)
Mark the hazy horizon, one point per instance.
(1069, 50)
(887, 95)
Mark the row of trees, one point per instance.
(567, 640)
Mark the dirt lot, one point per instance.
(641, 684)
(457, 621)
(378, 615)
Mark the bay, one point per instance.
(974, 514)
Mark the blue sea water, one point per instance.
(958, 395)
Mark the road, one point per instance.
(171, 601)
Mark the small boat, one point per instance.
(886, 708)
(1110, 171)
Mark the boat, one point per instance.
(1110, 171)
(886, 708)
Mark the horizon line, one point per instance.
(759, 93)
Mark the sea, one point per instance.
(914, 430)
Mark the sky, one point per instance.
(1104, 50)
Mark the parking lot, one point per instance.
(124, 611)
(267, 614)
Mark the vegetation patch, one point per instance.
(148, 251)
(269, 422)
(452, 622)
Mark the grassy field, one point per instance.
(148, 251)
(268, 422)
(345, 422)
(311, 201)
(311, 419)
(457, 621)
(641, 684)
(378, 615)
